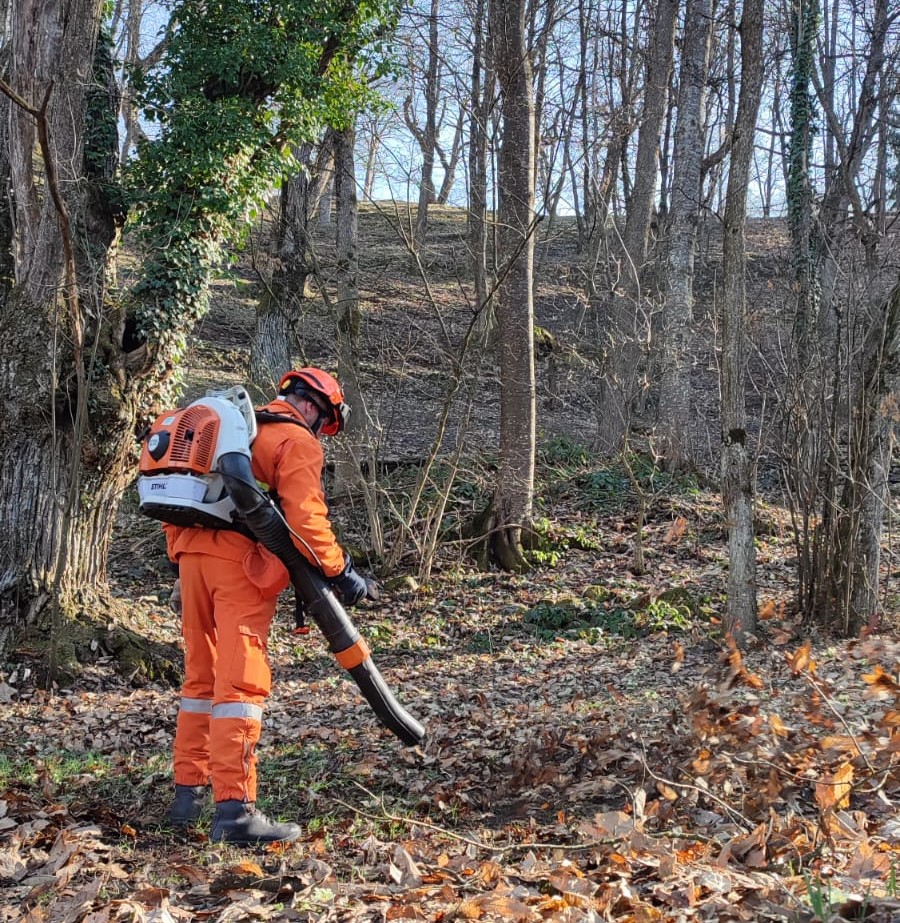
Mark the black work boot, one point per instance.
(240, 823)
(190, 800)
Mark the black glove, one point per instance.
(350, 584)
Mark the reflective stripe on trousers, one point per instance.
(196, 706)
(237, 710)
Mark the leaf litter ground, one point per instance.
(564, 777)
(596, 751)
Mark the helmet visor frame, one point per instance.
(334, 414)
(333, 417)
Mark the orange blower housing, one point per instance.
(182, 441)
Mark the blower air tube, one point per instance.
(258, 513)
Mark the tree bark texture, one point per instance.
(270, 347)
(804, 25)
(515, 309)
(676, 423)
(62, 357)
(737, 477)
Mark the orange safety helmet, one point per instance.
(324, 391)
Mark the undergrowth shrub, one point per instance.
(550, 620)
(587, 619)
(568, 469)
(551, 539)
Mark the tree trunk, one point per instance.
(131, 60)
(737, 475)
(835, 438)
(270, 347)
(623, 309)
(451, 162)
(828, 67)
(842, 192)
(514, 493)
(538, 38)
(373, 146)
(656, 93)
(325, 182)
(714, 169)
(428, 136)
(803, 412)
(347, 313)
(854, 564)
(586, 216)
(356, 468)
(665, 154)
(274, 339)
(321, 180)
(82, 369)
(480, 104)
(676, 422)
(68, 418)
(284, 290)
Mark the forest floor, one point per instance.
(596, 750)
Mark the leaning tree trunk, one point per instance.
(737, 478)
(514, 493)
(283, 293)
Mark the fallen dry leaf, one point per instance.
(834, 792)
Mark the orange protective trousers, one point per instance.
(227, 675)
(229, 588)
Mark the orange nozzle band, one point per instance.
(354, 655)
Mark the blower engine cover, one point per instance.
(179, 481)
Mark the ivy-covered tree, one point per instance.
(241, 82)
(805, 24)
(804, 427)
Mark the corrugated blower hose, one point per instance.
(261, 516)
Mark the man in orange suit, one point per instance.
(228, 587)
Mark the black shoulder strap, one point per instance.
(266, 416)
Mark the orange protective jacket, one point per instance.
(229, 586)
(288, 460)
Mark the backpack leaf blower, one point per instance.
(195, 470)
